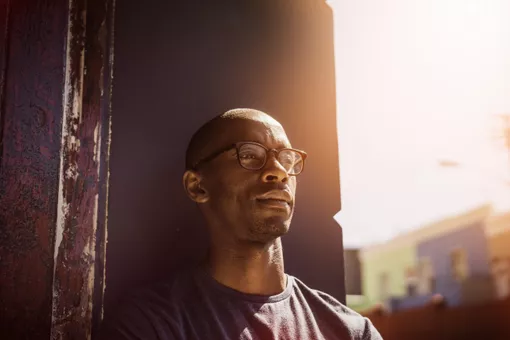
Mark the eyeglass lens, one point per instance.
(253, 157)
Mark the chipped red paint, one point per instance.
(84, 171)
(31, 114)
(104, 134)
(54, 137)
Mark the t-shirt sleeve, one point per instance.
(370, 332)
(359, 327)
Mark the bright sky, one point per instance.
(419, 81)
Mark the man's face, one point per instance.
(246, 204)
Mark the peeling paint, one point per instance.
(72, 103)
(92, 253)
(53, 122)
(101, 281)
(97, 143)
(80, 181)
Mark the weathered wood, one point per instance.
(104, 164)
(31, 114)
(4, 31)
(81, 227)
(55, 88)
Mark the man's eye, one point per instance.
(246, 156)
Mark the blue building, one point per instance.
(454, 263)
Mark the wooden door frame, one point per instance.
(84, 172)
(56, 71)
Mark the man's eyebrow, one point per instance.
(284, 145)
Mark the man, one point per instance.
(241, 171)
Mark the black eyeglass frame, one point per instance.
(238, 145)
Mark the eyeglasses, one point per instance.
(253, 156)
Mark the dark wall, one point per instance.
(178, 65)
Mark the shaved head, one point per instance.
(211, 135)
(231, 197)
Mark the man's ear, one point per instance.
(192, 182)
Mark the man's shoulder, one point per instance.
(320, 302)
(170, 290)
(322, 297)
(150, 309)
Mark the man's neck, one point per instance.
(249, 269)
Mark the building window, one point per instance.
(432, 284)
(412, 281)
(501, 274)
(459, 264)
(412, 289)
(427, 279)
(384, 286)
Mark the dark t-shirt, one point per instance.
(195, 306)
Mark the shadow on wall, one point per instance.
(180, 64)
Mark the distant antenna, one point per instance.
(447, 163)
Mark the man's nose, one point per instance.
(274, 171)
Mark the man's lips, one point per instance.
(275, 199)
(274, 204)
(276, 195)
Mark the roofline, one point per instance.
(429, 231)
(498, 224)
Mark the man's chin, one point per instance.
(270, 229)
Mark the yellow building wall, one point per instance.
(499, 245)
(394, 262)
